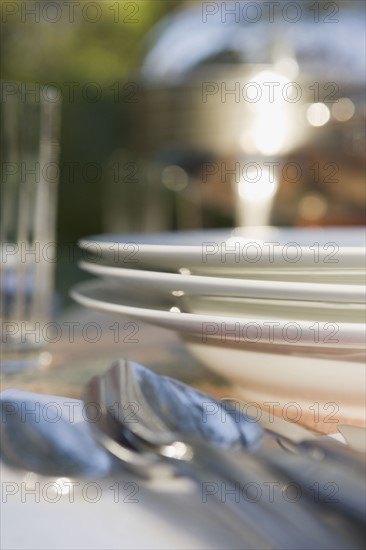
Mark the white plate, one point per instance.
(321, 275)
(233, 250)
(222, 286)
(319, 381)
(328, 312)
(319, 393)
(254, 329)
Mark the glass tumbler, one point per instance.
(30, 125)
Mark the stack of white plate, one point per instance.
(278, 312)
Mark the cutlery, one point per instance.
(295, 437)
(30, 442)
(155, 414)
(175, 409)
(154, 469)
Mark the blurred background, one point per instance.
(187, 114)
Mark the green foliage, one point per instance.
(81, 41)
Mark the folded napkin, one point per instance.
(50, 435)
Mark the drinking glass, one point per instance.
(30, 125)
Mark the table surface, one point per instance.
(76, 358)
(181, 521)
(170, 520)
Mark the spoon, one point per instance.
(158, 410)
(156, 470)
(167, 410)
(165, 421)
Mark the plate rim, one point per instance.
(177, 254)
(345, 293)
(354, 333)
